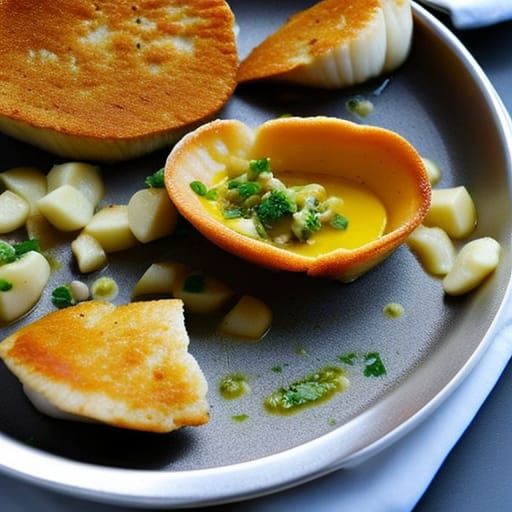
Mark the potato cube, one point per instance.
(200, 293)
(14, 211)
(28, 182)
(434, 249)
(475, 261)
(111, 229)
(453, 210)
(66, 208)
(151, 214)
(249, 319)
(160, 279)
(89, 254)
(27, 278)
(433, 171)
(84, 177)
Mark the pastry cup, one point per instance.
(379, 159)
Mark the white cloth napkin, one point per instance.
(381, 484)
(474, 13)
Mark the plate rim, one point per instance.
(264, 475)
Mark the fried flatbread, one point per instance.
(112, 79)
(127, 366)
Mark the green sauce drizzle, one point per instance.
(233, 386)
(393, 310)
(240, 418)
(313, 389)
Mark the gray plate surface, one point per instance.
(442, 104)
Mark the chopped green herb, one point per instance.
(260, 229)
(27, 246)
(7, 253)
(248, 189)
(199, 188)
(211, 195)
(156, 180)
(194, 283)
(256, 167)
(62, 297)
(393, 310)
(233, 386)
(233, 184)
(315, 387)
(374, 367)
(349, 358)
(232, 213)
(5, 285)
(274, 206)
(277, 369)
(239, 418)
(305, 223)
(339, 222)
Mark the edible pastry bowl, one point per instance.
(378, 159)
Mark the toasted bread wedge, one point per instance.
(335, 43)
(126, 366)
(115, 79)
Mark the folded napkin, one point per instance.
(474, 13)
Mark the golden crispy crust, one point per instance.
(115, 69)
(126, 366)
(306, 35)
(379, 158)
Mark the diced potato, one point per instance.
(433, 171)
(434, 249)
(14, 211)
(151, 214)
(66, 208)
(160, 279)
(28, 182)
(47, 235)
(249, 319)
(89, 254)
(84, 177)
(201, 294)
(475, 261)
(28, 277)
(111, 228)
(453, 210)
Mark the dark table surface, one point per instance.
(477, 475)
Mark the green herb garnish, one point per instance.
(277, 369)
(194, 283)
(248, 189)
(7, 253)
(5, 285)
(62, 297)
(211, 195)
(156, 180)
(239, 418)
(256, 167)
(27, 246)
(349, 358)
(199, 188)
(232, 213)
(339, 222)
(374, 367)
(274, 206)
(315, 387)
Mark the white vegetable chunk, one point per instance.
(79, 290)
(88, 252)
(66, 208)
(433, 171)
(160, 279)
(434, 249)
(475, 261)
(201, 294)
(111, 228)
(453, 210)
(84, 177)
(151, 215)
(28, 182)
(250, 319)
(28, 277)
(14, 211)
